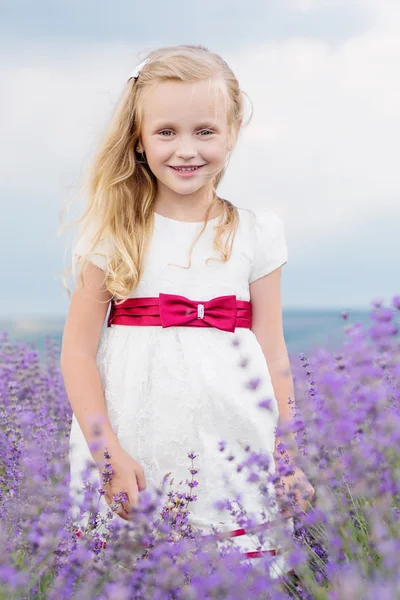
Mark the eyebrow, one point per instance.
(164, 124)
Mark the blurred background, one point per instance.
(321, 150)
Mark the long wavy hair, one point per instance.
(121, 188)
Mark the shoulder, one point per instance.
(262, 218)
(268, 242)
(85, 243)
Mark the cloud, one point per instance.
(226, 22)
(324, 134)
(321, 149)
(326, 116)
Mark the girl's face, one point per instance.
(184, 125)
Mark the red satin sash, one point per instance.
(235, 533)
(168, 310)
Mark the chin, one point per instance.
(186, 191)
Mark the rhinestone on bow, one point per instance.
(200, 311)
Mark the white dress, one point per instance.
(170, 391)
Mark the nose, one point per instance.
(185, 149)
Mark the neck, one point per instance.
(185, 208)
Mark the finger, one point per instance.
(140, 480)
(284, 508)
(117, 507)
(132, 498)
(122, 512)
(133, 495)
(107, 497)
(286, 513)
(309, 492)
(123, 515)
(304, 504)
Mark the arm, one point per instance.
(80, 341)
(265, 296)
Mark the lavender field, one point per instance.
(345, 546)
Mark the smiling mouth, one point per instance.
(186, 169)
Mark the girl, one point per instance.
(186, 273)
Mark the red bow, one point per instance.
(218, 312)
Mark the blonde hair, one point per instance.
(122, 188)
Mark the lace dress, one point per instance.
(172, 391)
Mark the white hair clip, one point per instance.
(136, 71)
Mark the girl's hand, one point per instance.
(128, 477)
(303, 490)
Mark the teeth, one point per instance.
(185, 169)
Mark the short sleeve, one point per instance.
(269, 244)
(100, 254)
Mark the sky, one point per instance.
(321, 150)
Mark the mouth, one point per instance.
(184, 170)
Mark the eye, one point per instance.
(207, 131)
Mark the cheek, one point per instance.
(214, 152)
(158, 152)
